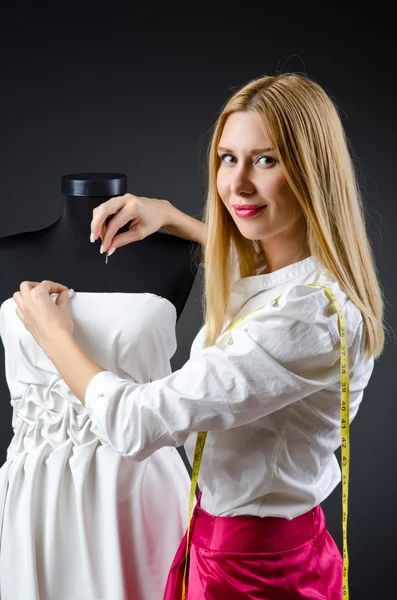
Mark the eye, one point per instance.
(227, 158)
(267, 161)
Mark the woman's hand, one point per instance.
(43, 318)
(147, 215)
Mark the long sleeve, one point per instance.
(277, 356)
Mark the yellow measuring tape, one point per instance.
(345, 439)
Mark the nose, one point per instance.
(241, 183)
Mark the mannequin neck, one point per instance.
(77, 212)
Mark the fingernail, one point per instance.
(111, 251)
(92, 238)
(101, 249)
(70, 293)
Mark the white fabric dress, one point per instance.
(78, 521)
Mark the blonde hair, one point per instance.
(305, 130)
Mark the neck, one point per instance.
(77, 213)
(281, 252)
(280, 264)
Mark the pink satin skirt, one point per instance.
(252, 558)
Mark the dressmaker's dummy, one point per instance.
(161, 264)
(77, 519)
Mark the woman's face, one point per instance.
(251, 183)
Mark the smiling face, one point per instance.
(253, 187)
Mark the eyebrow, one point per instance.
(256, 151)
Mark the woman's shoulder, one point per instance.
(315, 303)
(303, 309)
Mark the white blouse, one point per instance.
(268, 395)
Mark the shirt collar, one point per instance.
(247, 287)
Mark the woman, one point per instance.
(264, 375)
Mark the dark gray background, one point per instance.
(137, 92)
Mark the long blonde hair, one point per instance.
(307, 135)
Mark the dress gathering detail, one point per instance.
(79, 521)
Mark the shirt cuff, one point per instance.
(95, 389)
(98, 396)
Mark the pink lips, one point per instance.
(247, 210)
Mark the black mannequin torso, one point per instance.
(160, 264)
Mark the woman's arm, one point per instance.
(71, 362)
(278, 355)
(182, 225)
(146, 216)
(275, 358)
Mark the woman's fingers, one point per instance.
(111, 216)
(102, 212)
(130, 212)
